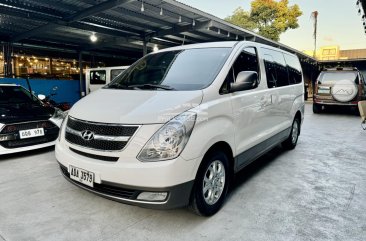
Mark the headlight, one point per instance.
(169, 141)
(59, 114)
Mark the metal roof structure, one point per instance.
(125, 28)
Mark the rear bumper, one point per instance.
(177, 196)
(336, 103)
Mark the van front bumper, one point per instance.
(176, 196)
(125, 179)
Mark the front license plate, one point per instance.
(31, 133)
(82, 176)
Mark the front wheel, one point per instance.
(291, 141)
(211, 184)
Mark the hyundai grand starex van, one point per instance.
(174, 128)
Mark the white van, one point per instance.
(175, 127)
(96, 78)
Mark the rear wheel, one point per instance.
(317, 108)
(211, 184)
(291, 141)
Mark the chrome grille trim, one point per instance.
(107, 137)
(99, 137)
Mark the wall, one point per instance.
(68, 90)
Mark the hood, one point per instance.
(134, 106)
(13, 113)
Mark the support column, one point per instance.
(8, 61)
(81, 80)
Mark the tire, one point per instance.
(202, 203)
(291, 141)
(316, 108)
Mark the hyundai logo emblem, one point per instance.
(87, 135)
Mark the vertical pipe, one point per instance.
(82, 92)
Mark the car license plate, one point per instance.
(82, 176)
(323, 91)
(31, 133)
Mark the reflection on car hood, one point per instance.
(14, 113)
(134, 106)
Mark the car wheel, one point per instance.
(291, 141)
(317, 108)
(211, 184)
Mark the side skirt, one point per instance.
(247, 157)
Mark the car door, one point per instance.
(250, 109)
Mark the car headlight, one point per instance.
(169, 141)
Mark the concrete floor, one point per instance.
(316, 192)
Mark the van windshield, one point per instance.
(189, 69)
(329, 77)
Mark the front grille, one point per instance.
(105, 189)
(112, 130)
(98, 157)
(12, 130)
(101, 128)
(95, 144)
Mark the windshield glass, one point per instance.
(190, 69)
(336, 76)
(15, 95)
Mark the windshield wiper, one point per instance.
(117, 86)
(164, 87)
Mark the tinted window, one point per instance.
(277, 75)
(271, 73)
(98, 77)
(246, 61)
(190, 69)
(294, 69)
(15, 95)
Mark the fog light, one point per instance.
(152, 196)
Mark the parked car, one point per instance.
(175, 127)
(25, 123)
(339, 87)
(96, 78)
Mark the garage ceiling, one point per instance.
(122, 26)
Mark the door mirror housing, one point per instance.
(246, 80)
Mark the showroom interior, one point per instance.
(52, 48)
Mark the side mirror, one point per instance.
(41, 97)
(246, 80)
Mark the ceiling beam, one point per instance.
(178, 29)
(71, 18)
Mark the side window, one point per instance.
(98, 77)
(276, 68)
(294, 69)
(271, 74)
(246, 61)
